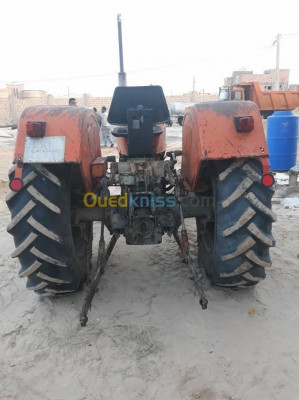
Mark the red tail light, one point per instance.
(36, 129)
(15, 184)
(268, 180)
(244, 124)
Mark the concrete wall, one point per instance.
(11, 108)
(294, 87)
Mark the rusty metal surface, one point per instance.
(101, 265)
(209, 133)
(77, 124)
(196, 270)
(135, 171)
(99, 167)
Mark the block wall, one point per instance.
(11, 108)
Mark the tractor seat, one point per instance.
(122, 131)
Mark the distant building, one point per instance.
(266, 80)
(4, 93)
(17, 91)
(294, 87)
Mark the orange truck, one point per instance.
(267, 101)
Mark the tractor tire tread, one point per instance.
(42, 232)
(243, 223)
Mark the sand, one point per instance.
(147, 337)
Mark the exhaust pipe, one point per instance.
(122, 78)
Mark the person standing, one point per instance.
(98, 117)
(72, 101)
(99, 122)
(105, 128)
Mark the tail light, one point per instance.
(268, 180)
(35, 129)
(244, 124)
(15, 184)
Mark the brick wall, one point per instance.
(12, 108)
(5, 113)
(192, 97)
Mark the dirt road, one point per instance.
(147, 337)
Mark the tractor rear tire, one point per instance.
(53, 253)
(234, 248)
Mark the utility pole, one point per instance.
(193, 90)
(276, 87)
(122, 78)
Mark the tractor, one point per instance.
(60, 184)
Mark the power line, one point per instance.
(113, 73)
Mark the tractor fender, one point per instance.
(71, 136)
(209, 133)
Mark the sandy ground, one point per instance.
(147, 337)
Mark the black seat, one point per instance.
(122, 131)
(137, 110)
(130, 97)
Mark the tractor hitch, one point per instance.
(184, 246)
(103, 256)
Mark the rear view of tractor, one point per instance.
(60, 184)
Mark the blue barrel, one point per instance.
(282, 136)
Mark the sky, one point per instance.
(71, 48)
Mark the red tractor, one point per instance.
(60, 184)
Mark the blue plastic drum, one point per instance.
(282, 137)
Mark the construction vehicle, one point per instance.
(267, 101)
(60, 185)
(177, 110)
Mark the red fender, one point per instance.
(71, 136)
(210, 133)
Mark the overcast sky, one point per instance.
(60, 45)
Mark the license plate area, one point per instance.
(46, 149)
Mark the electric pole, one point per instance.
(276, 86)
(193, 90)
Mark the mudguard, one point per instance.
(71, 136)
(209, 133)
